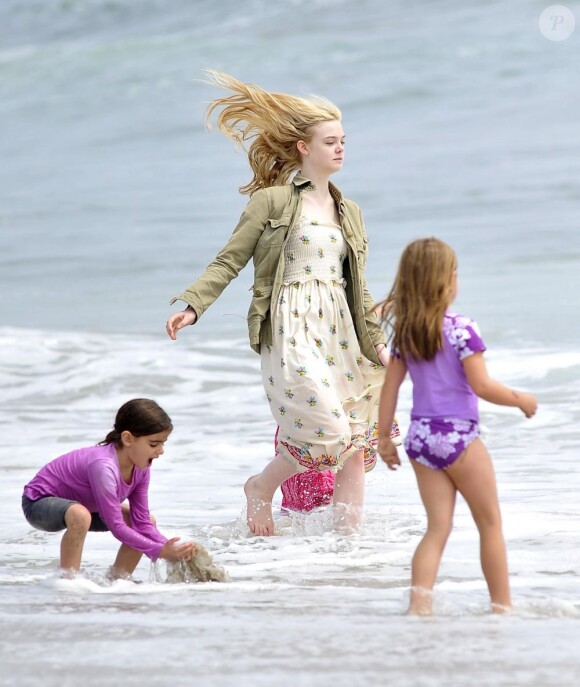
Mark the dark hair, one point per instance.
(141, 417)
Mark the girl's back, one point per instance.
(440, 386)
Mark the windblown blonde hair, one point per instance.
(275, 122)
(421, 294)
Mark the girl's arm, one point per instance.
(374, 329)
(140, 515)
(490, 390)
(230, 260)
(383, 354)
(141, 523)
(376, 332)
(396, 372)
(103, 482)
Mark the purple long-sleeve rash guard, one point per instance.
(92, 477)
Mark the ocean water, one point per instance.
(461, 122)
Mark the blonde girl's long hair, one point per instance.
(273, 122)
(422, 292)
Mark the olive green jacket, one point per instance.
(261, 234)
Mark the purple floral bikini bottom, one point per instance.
(436, 443)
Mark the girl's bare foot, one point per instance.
(260, 520)
(346, 518)
(421, 601)
(500, 608)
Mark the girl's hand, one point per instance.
(382, 354)
(388, 452)
(172, 551)
(179, 321)
(527, 404)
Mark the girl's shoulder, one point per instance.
(456, 320)
(463, 334)
(276, 195)
(353, 209)
(98, 454)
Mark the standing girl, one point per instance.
(444, 355)
(84, 491)
(311, 316)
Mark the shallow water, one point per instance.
(308, 605)
(461, 122)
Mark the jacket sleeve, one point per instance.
(232, 258)
(374, 328)
(372, 321)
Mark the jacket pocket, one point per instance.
(269, 247)
(362, 251)
(283, 221)
(260, 304)
(274, 233)
(259, 313)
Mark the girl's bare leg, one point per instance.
(260, 490)
(78, 520)
(474, 477)
(438, 494)
(349, 493)
(127, 558)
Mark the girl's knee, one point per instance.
(488, 520)
(78, 517)
(152, 518)
(357, 460)
(440, 528)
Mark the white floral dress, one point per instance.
(323, 392)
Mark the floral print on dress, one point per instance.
(328, 391)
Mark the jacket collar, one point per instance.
(301, 182)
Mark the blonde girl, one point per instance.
(311, 315)
(443, 353)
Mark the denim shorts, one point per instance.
(48, 513)
(438, 443)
